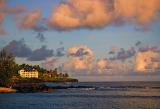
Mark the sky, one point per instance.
(92, 40)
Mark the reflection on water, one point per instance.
(106, 95)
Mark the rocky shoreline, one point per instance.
(42, 87)
(32, 88)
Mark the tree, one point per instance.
(66, 75)
(8, 67)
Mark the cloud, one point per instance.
(102, 63)
(91, 14)
(83, 62)
(138, 43)
(147, 61)
(15, 10)
(78, 65)
(155, 59)
(114, 67)
(2, 31)
(81, 59)
(2, 16)
(4, 11)
(11, 10)
(148, 48)
(60, 52)
(113, 50)
(2, 3)
(80, 13)
(30, 20)
(123, 54)
(138, 11)
(40, 54)
(80, 51)
(40, 37)
(50, 63)
(142, 29)
(18, 48)
(40, 27)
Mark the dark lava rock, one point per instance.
(32, 88)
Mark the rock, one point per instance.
(32, 88)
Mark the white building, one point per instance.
(28, 74)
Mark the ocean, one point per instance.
(105, 95)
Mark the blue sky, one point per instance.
(98, 40)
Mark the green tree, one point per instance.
(8, 67)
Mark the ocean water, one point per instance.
(106, 95)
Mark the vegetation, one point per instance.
(8, 67)
(43, 73)
(9, 72)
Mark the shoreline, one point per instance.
(7, 90)
(40, 87)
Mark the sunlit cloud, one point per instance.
(139, 11)
(80, 13)
(147, 62)
(91, 14)
(81, 59)
(126, 62)
(30, 20)
(114, 67)
(80, 51)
